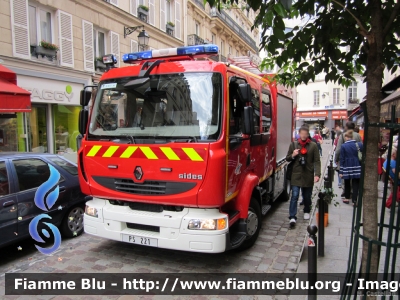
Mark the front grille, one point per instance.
(145, 188)
(143, 227)
(146, 207)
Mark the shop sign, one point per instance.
(321, 113)
(51, 91)
(339, 112)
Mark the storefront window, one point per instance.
(66, 127)
(37, 129)
(12, 132)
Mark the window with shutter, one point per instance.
(20, 28)
(88, 51)
(134, 7)
(134, 46)
(66, 39)
(177, 19)
(163, 22)
(114, 38)
(152, 12)
(114, 2)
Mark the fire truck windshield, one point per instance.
(167, 106)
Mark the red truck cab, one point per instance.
(182, 153)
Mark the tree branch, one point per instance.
(393, 16)
(363, 30)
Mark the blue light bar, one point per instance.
(199, 50)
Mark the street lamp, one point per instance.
(143, 39)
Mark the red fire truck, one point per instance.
(182, 152)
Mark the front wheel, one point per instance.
(253, 224)
(72, 224)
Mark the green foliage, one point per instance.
(144, 7)
(48, 45)
(334, 37)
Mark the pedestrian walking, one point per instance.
(350, 166)
(325, 133)
(333, 135)
(319, 140)
(389, 167)
(341, 141)
(334, 163)
(306, 170)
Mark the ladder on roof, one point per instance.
(248, 63)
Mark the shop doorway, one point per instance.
(37, 129)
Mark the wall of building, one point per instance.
(230, 29)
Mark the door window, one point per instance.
(4, 183)
(31, 173)
(66, 165)
(255, 103)
(236, 107)
(266, 111)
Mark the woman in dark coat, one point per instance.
(350, 167)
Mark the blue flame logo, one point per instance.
(45, 197)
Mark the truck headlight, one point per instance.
(91, 211)
(208, 224)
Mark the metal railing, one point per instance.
(387, 242)
(194, 39)
(199, 3)
(235, 27)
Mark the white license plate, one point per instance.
(139, 240)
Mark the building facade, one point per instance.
(229, 29)
(55, 47)
(82, 31)
(328, 104)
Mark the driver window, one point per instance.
(236, 107)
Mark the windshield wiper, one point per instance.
(188, 139)
(131, 139)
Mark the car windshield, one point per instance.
(182, 105)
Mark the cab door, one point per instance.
(256, 149)
(8, 206)
(268, 145)
(238, 148)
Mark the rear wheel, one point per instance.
(72, 224)
(253, 223)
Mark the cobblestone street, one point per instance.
(278, 249)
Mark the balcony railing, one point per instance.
(354, 101)
(199, 3)
(235, 27)
(194, 39)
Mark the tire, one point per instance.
(73, 227)
(254, 219)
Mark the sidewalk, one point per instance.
(337, 235)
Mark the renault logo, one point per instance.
(138, 173)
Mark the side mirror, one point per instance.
(85, 97)
(248, 120)
(245, 92)
(83, 121)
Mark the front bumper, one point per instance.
(112, 220)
